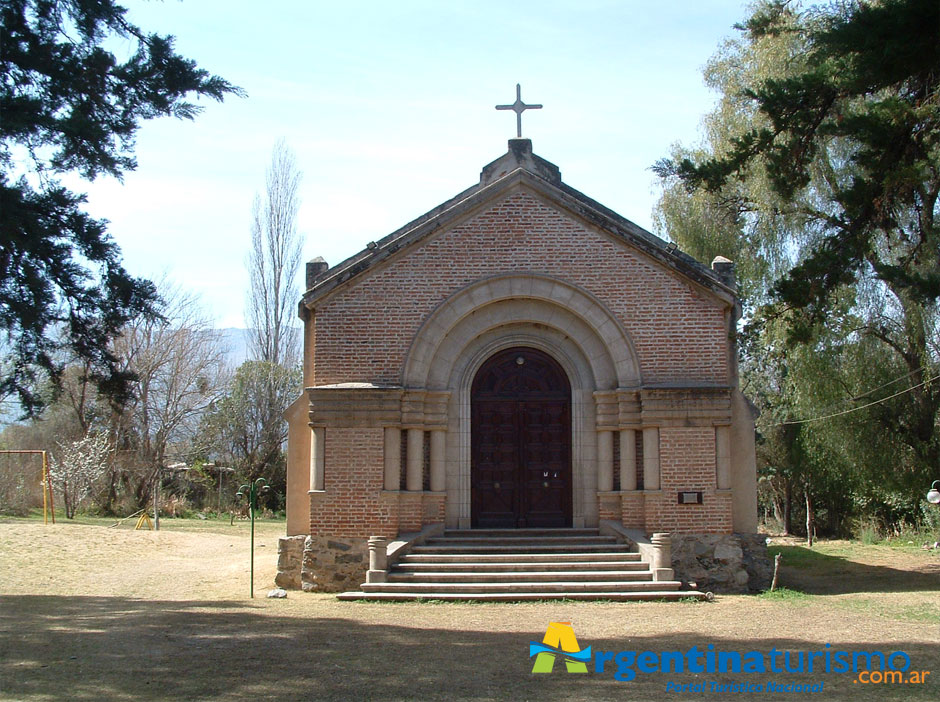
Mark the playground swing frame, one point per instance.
(48, 503)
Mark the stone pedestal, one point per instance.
(662, 557)
(378, 560)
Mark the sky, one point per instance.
(389, 108)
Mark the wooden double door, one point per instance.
(520, 442)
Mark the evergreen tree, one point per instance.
(71, 106)
(867, 98)
(819, 175)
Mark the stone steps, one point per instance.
(520, 565)
(612, 576)
(527, 546)
(629, 596)
(515, 533)
(510, 567)
(516, 557)
(520, 541)
(555, 586)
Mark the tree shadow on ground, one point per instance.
(816, 573)
(95, 648)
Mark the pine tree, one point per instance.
(71, 106)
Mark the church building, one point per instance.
(520, 360)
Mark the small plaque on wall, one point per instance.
(690, 498)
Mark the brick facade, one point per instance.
(363, 337)
(395, 334)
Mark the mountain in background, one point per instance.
(236, 345)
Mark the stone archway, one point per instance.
(521, 297)
(514, 310)
(520, 471)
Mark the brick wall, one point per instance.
(632, 510)
(352, 505)
(687, 462)
(364, 330)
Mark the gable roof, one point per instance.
(520, 165)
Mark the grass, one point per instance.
(785, 594)
(879, 580)
(926, 613)
(221, 523)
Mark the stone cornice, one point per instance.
(354, 405)
(366, 405)
(662, 407)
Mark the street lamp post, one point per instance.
(933, 495)
(253, 490)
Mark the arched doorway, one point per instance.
(520, 442)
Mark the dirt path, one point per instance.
(76, 559)
(88, 613)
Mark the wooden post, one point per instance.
(810, 517)
(48, 503)
(156, 502)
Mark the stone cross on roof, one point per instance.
(518, 107)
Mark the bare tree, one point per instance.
(176, 370)
(274, 261)
(179, 367)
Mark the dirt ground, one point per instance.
(91, 613)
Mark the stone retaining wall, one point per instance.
(290, 556)
(332, 564)
(722, 563)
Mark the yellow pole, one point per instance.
(45, 484)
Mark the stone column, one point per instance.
(627, 459)
(662, 557)
(317, 436)
(605, 461)
(378, 560)
(438, 472)
(392, 458)
(723, 457)
(414, 481)
(651, 458)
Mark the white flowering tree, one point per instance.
(77, 466)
